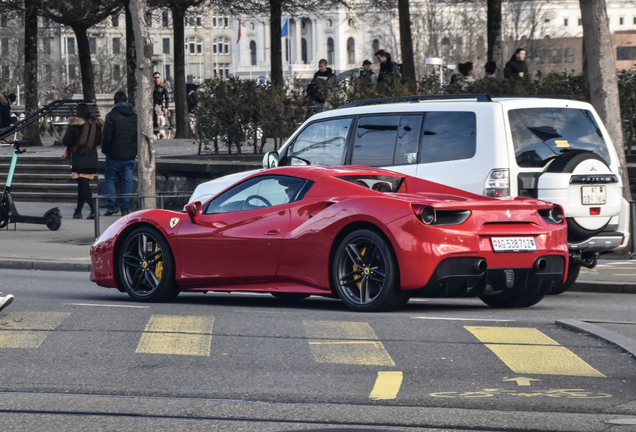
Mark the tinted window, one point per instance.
(541, 134)
(321, 143)
(376, 183)
(375, 141)
(448, 136)
(407, 140)
(259, 192)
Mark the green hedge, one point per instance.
(236, 114)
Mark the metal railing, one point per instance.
(141, 200)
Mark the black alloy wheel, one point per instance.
(146, 266)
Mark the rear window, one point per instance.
(376, 183)
(541, 134)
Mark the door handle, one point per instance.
(272, 232)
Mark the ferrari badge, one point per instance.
(174, 222)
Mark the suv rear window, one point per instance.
(542, 134)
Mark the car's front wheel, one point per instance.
(146, 266)
(365, 273)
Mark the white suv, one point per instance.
(549, 148)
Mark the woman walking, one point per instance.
(83, 136)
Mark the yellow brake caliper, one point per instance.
(159, 265)
(356, 268)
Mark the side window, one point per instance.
(449, 136)
(407, 140)
(375, 141)
(259, 192)
(321, 143)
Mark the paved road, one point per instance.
(76, 355)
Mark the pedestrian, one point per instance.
(389, 70)
(468, 71)
(120, 147)
(161, 123)
(516, 66)
(6, 301)
(6, 119)
(83, 136)
(160, 96)
(323, 74)
(367, 73)
(491, 69)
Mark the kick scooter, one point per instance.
(9, 214)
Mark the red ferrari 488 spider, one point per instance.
(371, 237)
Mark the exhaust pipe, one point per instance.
(480, 266)
(540, 265)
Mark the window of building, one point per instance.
(193, 46)
(221, 46)
(167, 72)
(193, 21)
(214, 22)
(330, 51)
(226, 22)
(70, 45)
(569, 55)
(166, 45)
(547, 20)
(4, 20)
(116, 72)
(199, 46)
(5, 46)
(199, 22)
(565, 22)
(581, 21)
(375, 46)
(116, 45)
(165, 19)
(621, 21)
(253, 52)
(46, 45)
(92, 45)
(115, 20)
(351, 51)
(46, 22)
(303, 50)
(149, 19)
(460, 128)
(625, 53)
(634, 19)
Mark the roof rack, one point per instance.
(415, 99)
(569, 97)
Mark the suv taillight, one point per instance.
(497, 183)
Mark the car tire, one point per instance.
(367, 257)
(566, 163)
(289, 297)
(496, 301)
(146, 266)
(573, 273)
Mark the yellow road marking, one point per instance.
(528, 351)
(387, 385)
(181, 335)
(28, 329)
(331, 348)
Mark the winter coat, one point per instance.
(120, 133)
(313, 86)
(5, 112)
(161, 95)
(514, 66)
(84, 162)
(388, 69)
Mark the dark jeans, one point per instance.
(125, 168)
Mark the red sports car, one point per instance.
(371, 237)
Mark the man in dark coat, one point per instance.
(367, 73)
(516, 67)
(160, 96)
(120, 147)
(6, 119)
(323, 73)
(389, 70)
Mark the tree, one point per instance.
(602, 75)
(80, 15)
(406, 43)
(145, 133)
(495, 51)
(31, 10)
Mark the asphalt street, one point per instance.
(76, 356)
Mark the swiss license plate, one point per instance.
(591, 195)
(513, 244)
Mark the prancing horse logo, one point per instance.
(173, 222)
(508, 214)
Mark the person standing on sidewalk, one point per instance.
(120, 147)
(160, 96)
(83, 136)
(6, 301)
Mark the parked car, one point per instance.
(373, 238)
(548, 148)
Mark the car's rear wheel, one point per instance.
(496, 301)
(289, 296)
(573, 273)
(146, 266)
(365, 273)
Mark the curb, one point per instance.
(18, 264)
(604, 287)
(614, 338)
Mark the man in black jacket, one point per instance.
(161, 97)
(6, 119)
(516, 67)
(120, 147)
(389, 70)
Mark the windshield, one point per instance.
(541, 134)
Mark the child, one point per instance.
(161, 123)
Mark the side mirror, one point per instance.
(270, 160)
(194, 210)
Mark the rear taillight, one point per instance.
(557, 213)
(497, 183)
(425, 213)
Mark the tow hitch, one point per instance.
(585, 259)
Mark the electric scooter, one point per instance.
(9, 214)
